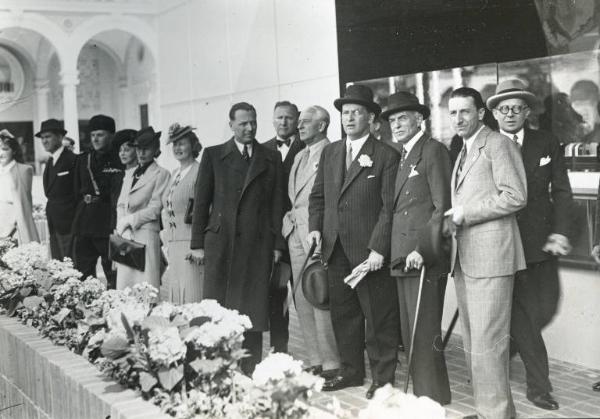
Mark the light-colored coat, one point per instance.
(489, 243)
(142, 204)
(22, 176)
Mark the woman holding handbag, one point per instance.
(16, 208)
(138, 209)
(183, 278)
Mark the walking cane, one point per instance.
(449, 331)
(414, 329)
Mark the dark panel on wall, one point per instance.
(380, 38)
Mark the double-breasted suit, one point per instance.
(141, 204)
(353, 212)
(58, 178)
(536, 292)
(237, 221)
(315, 323)
(421, 196)
(487, 251)
(278, 317)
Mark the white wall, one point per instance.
(213, 53)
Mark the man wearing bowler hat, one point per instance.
(421, 196)
(544, 225)
(58, 187)
(350, 210)
(98, 178)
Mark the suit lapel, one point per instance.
(258, 164)
(145, 177)
(51, 175)
(310, 170)
(233, 160)
(412, 160)
(530, 152)
(473, 154)
(355, 167)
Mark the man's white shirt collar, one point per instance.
(411, 143)
(240, 147)
(57, 153)
(469, 141)
(520, 135)
(356, 145)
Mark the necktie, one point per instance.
(461, 162)
(349, 155)
(403, 156)
(245, 154)
(516, 140)
(50, 162)
(286, 141)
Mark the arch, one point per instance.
(110, 52)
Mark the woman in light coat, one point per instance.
(16, 208)
(183, 278)
(138, 209)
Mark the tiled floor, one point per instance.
(572, 385)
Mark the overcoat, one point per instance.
(22, 176)
(58, 181)
(238, 210)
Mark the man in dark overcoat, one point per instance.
(287, 143)
(421, 196)
(98, 178)
(58, 187)
(545, 226)
(236, 227)
(350, 209)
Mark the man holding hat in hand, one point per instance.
(544, 225)
(98, 178)
(350, 210)
(422, 195)
(58, 188)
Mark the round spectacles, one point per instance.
(516, 109)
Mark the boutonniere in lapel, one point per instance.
(545, 160)
(316, 166)
(413, 171)
(365, 161)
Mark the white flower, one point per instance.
(164, 309)
(275, 367)
(365, 161)
(165, 347)
(389, 402)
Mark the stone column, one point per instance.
(41, 114)
(69, 82)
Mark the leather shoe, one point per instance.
(596, 386)
(371, 391)
(315, 369)
(544, 401)
(339, 382)
(329, 374)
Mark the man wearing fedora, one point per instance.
(421, 196)
(545, 225)
(58, 187)
(287, 144)
(488, 189)
(350, 210)
(98, 178)
(315, 322)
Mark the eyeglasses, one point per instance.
(516, 109)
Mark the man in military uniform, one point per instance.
(98, 178)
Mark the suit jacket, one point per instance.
(58, 187)
(354, 207)
(142, 203)
(491, 188)
(395, 145)
(421, 196)
(299, 188)
(22, 176)
(549, 196)
(295, 147)
(237, 221)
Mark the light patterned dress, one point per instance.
(183, 279)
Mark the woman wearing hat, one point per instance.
(16, 214)
(123, 143)
(139, 206)
(184, 278)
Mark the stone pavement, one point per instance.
(572, 384)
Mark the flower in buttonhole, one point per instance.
(365, 161)
(165, 346)
(277, 366)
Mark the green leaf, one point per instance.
(154, 322)
(128, 328)
(147, 381)
(170, 377)
(206, 366)
(115, 347)
(61, 315)
(199, 321)
(33, 302)
(25, 291)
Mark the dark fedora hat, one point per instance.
(359, 94)
(52, 125)
(177, 132)
(509, 89)
(146, 137)
(102, 122)
(315, 286)
(404, 101)
(123, 136)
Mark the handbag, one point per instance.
(127, 252)
(189, 212)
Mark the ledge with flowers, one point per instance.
(182, 359)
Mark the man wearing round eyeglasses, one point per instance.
(544, 227)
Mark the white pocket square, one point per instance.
(413, 173)
(545, 160)
(62, 173)
(370, 176)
